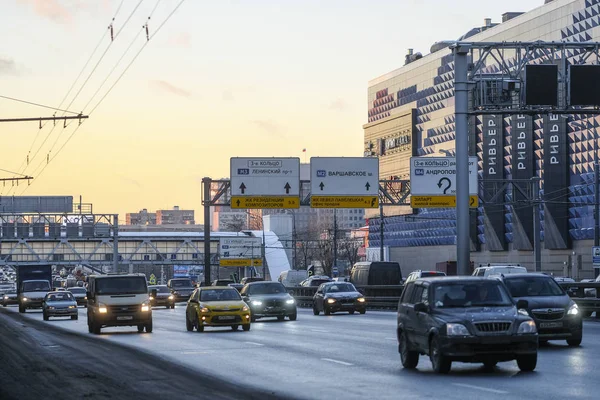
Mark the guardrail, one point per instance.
(378, 297)
(587, 300)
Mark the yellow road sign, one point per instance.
(240, 262)
(344, 201)
(440, 201)
(265, 202)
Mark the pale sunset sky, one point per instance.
(221, 78)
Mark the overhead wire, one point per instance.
(110, 89)
(38, 105)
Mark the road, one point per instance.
(349, 356)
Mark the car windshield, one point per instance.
(159, 289)
(470, 294)
(36, 286)
(533, 287)
(124, 285)
(77, 290)
(181, 283)
(219, 295)
(62, 296)
(340, 287)
(266, 288)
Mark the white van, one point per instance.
(499, 269)
(292, 277)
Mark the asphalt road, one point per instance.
(346, 356)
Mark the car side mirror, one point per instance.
(421, 307)
(522, 304)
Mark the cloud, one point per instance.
(269, 127)
(51, 9)
(8, 66)
(182, 39)
(170, 88)
(338, 105)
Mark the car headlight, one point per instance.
(290, 301)
(72, 306)
(204, 310)
(527, 327)
(50, 308)
(361, 300)
(145, 307)
(85, 298)
(5, 297)
(573, 310)
(102, 309)
(24, 298)
(256, 303)
(150, 298)
(456, 330)
(245, 308)
(330, 301)
(171, 297)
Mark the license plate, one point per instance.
(551, 324)
(125, 318)
(226, 317)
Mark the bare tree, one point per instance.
(236, 224)
(348, 249)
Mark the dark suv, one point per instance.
(557, 316)
(466, 319)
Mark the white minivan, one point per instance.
(292, 278)
(499, 269)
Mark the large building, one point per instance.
(174, 216)
(143, 217)
(411, 113)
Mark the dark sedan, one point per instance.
(10, 298)
(80, 295)
(557, 316)
(163, 297)
(338, 296)
(464, 319)
(269, 299)
(59, 304)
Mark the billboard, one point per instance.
(523, 167)
(493, 168)
(556, 183)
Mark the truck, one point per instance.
(33, 283)
(118, 300)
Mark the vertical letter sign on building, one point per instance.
(556, 181)
(493, 168)
(523, 167)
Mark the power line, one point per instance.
(38, 105)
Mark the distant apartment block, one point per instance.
(175, 216)
(143, 217)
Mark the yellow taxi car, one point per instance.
(216, 306)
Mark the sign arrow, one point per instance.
(322, 185)
(367, 186)
(287, 188)
(238, 202)
(447, 187)
(243, 187)
(472, 201)
(372, 200)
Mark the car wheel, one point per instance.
(74, 317)
(21, 309)
(234, 327)
(351, 312)
(246, 327)
(363, 311)
(90, 329)
(140, 328)
(280, 317)
(315, 310)
(527, 362)
(440, 363)
(3, 304)
(575, 342)
(293, 316)
(326, 310)
(409, 358)
(199, 326)
(188, 324)
(172, 306)
(490, 364)
(149, 327)
(46, 318)
(96, 329)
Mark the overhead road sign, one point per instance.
(240, 251)
(437, 176)
(265, 182)
(265, 202)
(440, 201)
(353, 180)
(344, 201)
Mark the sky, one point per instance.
(217, 79)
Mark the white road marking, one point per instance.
(480, 388)
(320, 330)
(336, 361)
(391, 338)
(254, 343)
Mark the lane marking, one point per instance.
(391, 338)
(320, 330)
(480, 388)
(336, 361)
(254, 343)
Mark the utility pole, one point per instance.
(537, 245)
(116, 243)
(334, 240)
(381, 227)
(206, 203)
(263, 254)
(294, 239)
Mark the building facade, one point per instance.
(174, 216)
(143, 217)
(411, 113)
